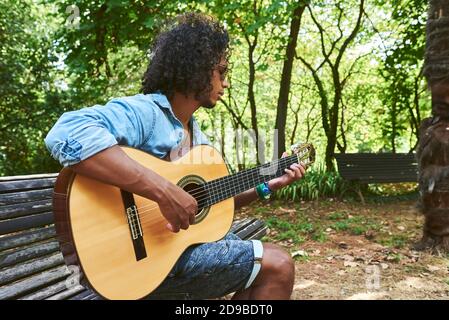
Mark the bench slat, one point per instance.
(22, 185)
(9, 258)
(89, 294)
(92, 296)
(30, 267)
(26, 237)
(380, 155)
(381, 173)
(23, 287)
(378, 170)
(249, 229)
(259, 233)
(46, 292)
(382, 166)
(25, 209)
(25, 196)
(354, 159)
(360, 173)
(378, 167)
(29, 176)
(67, 293)
(375, 176)
(27, 222)
(240, 224)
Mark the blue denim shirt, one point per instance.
(143, 121)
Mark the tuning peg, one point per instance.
(295, 147)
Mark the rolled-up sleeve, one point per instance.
(78, 135)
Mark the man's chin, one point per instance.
(209, 104)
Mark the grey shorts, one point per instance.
(212, 270)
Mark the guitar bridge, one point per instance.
(135, 227)
(134, 222)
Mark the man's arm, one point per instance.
(114, 167)
(245, 198)
(295, 172)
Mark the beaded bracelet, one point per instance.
(263, 191)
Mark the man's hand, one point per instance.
(178, 207)
(294, 173)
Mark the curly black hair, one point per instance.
(184, 55)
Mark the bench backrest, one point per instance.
(378, 167)
(31, 264)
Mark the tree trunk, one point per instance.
(433, 165)
(260, 152)
(284, 90)
(433, 148)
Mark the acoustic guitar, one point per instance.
(119, 240)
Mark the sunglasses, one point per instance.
(223, 70)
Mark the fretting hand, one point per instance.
(295, 172)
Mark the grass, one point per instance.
(395, 257)
(337, 215)
(415, 269)
(396, 241)
(298, 230)
(300, 258)
(359, 225)
(299, 225)
(319, 236)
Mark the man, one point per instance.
(187, 71)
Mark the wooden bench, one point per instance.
(31, 264)
(377, 168)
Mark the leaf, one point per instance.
(300, 253)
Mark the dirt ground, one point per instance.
(346, 250)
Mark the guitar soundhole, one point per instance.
(194, 186)
(199, 193)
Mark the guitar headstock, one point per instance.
(305, 153)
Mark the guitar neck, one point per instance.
(230, 186)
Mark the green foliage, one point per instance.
(48, 67)
(106, 52)
(404, 87)
(30, 99)
(297, 230)
(317, 183)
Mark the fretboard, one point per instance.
(229, 186)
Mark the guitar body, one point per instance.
(94, 230)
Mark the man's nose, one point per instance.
(225, 83)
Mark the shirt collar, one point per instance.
(162, 101)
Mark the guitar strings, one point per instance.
(197, 191)
(200, 190)
(202, 195)
(145, 221)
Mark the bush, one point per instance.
(317, 183)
